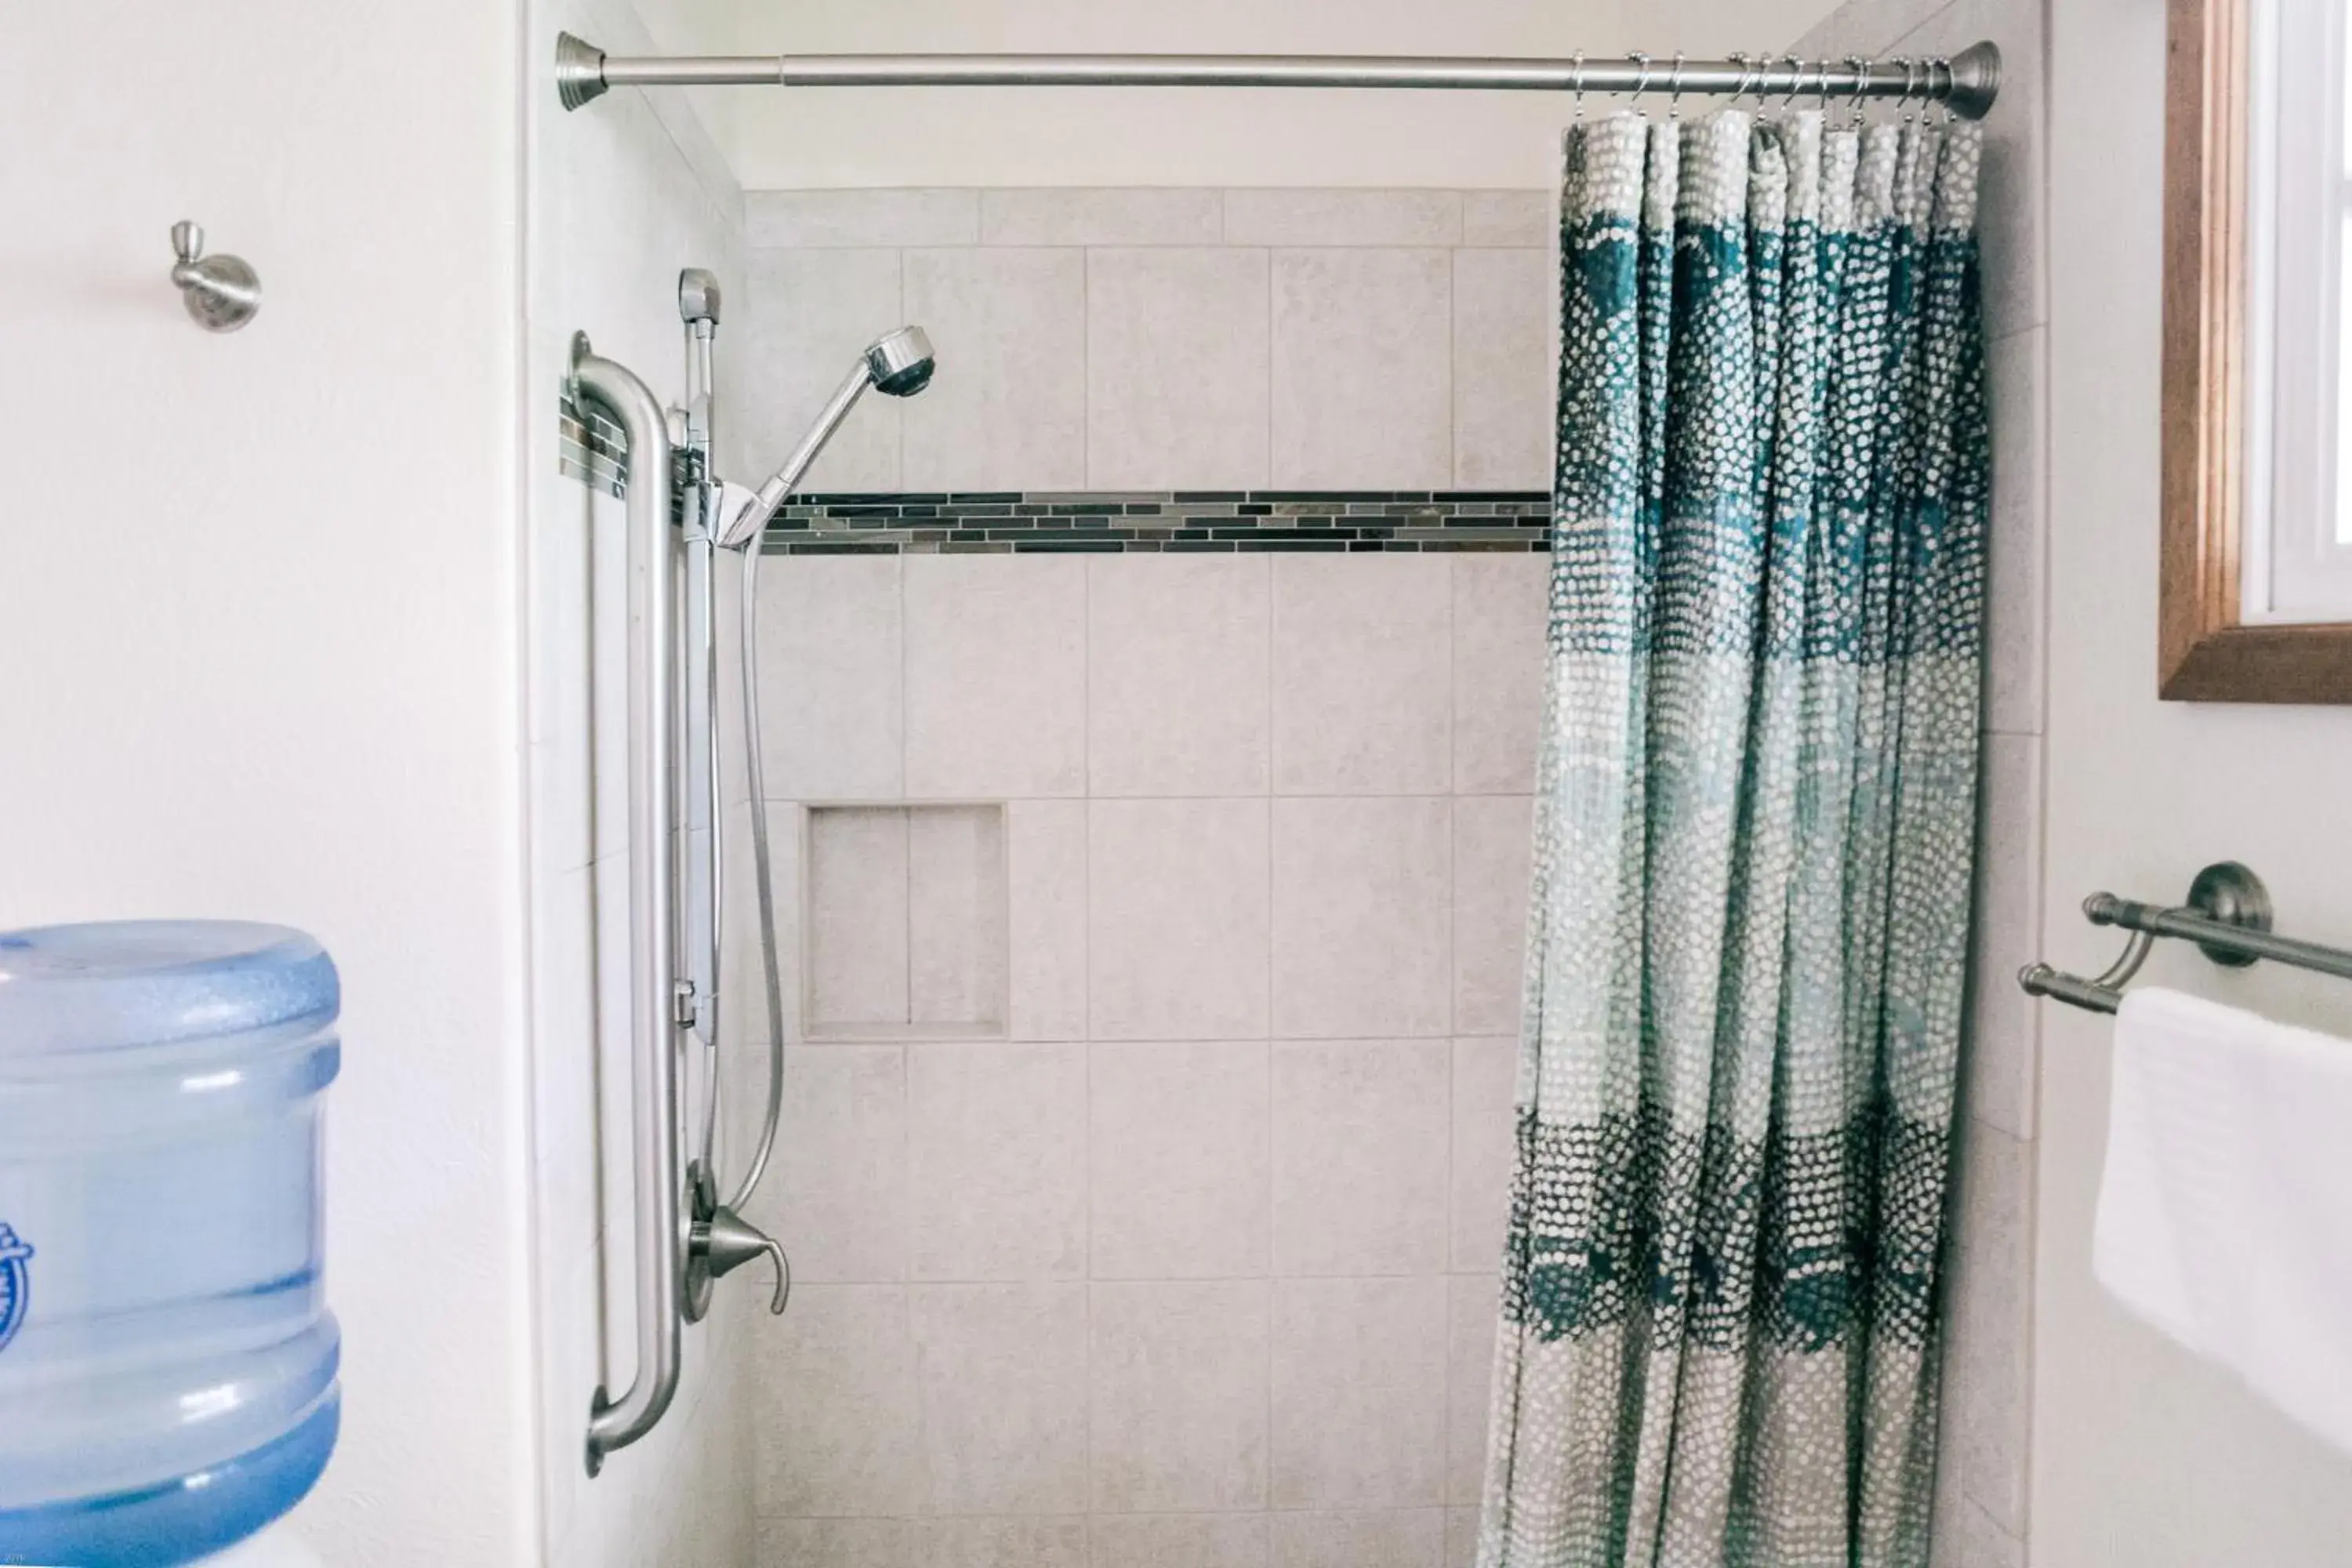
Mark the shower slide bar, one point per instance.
(1967, 82)
(2228, 916)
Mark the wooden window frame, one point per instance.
(2206, 651)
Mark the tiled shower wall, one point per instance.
(1190, 1258)
(1156, 340)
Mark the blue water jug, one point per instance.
(167, 1361)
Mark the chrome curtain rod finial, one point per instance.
(579, 71)
(1968, 83)
(221, 292)
(2227, 915)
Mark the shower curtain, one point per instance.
(1754, 843)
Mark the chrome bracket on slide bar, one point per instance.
(661, 1234)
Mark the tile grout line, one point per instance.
(899, 264)
(1086, 362)
(1453, 365)
(1273, 642)
(1087, 1050)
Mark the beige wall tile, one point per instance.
(996, 676)
(832, 721)
(1505, 364)
(852, 217)
(813, 313)
(1361, 1131)
(836, 1196)
(2014, 595)
(1178, 915)
(1179, 1405)
(1359, 1393)
(1180, 1541)
(1007, 410)
(998, 1542)
(1492, 846)
(1507, 217)
(1177, 369)
(1471, 1317)
(1485, 1150)
(1363, 369)
(1363, 917)
(1368, 217)
(1502, 608)
(1047, 869)
(996, 1161)
(1461, 1538)
(836, 1416)
(833, 1544)
(1002, 1371)
(1992, 1321)
(1388, 1538)
(1177, 694)
(1362, 675)
(1179, 1159)
(1073, 214)
(2001, 1053)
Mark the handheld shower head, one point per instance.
(899, 364)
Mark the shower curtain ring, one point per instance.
(1796, 82)
(1863, 69)
(1580, 84)
(1941, 64)
(1675, 90)
(1641, 82)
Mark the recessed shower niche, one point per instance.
(905, 912)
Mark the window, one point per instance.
(2296, 564)
(2257, 528)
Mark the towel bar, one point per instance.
(2227, 915)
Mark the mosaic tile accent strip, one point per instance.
(594, 450)
(1173, 522)
(591, 447)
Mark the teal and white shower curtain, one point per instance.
(1754, 844)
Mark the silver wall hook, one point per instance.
(220, 291)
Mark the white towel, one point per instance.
(2225, 1209)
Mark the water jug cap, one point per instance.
(120, 983)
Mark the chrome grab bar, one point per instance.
(661, 1227)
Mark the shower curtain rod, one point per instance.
(1966, 82)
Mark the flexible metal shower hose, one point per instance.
(748, 641)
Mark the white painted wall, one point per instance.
(259, 613)
(1071, 136)
(2142, 1457)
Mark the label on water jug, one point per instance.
(15, 1284)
